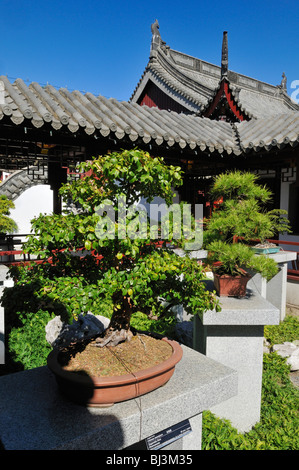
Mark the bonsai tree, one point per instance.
(238, 221)
(123, 261)
(242, 214)
(7, 225)
(234, 259)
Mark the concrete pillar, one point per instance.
(234, 337)
(275, 290)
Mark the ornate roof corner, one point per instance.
(282, 92)
(194, 84)
(224, 56)
(225, 103)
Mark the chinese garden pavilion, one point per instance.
(201, 116)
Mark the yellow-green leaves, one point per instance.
(7, 225)
(102, 247)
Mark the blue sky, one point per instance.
(103, 46)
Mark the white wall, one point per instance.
(39, 199)
(35, 200)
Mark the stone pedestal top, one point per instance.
(250, 310)
(283, 256)
(33, 414)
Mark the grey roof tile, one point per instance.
(109, 117)
(268, 133)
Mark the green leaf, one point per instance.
(87, 245)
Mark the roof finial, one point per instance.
(156, 37)
(283, 83)
(224, 56)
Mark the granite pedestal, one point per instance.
(34, 416)
(234, 337)
(275, 290)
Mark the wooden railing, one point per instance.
(11, 250)
(10, 255)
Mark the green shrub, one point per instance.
(288, 330)
(162, 326)
(27, 343)
(219, 434)
(278, 427)
(7, 225)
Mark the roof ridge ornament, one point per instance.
(156, 37)
(283, 83)
(224, 56)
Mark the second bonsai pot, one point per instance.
(231, 286)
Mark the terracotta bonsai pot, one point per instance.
(96, 391)
(231, 286)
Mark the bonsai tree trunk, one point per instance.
(119, 328)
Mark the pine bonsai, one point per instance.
(234, 259)
(240, 220)
(243, 213)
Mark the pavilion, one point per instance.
(203, 117)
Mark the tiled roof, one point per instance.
(195, 81)
(100, 116)
(103, 116)
(265, 134)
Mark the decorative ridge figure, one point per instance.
(224, 56)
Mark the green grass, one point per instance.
(279, 423)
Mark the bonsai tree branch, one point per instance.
(119, 327)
